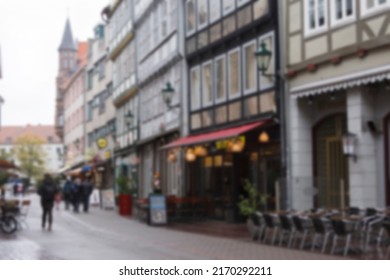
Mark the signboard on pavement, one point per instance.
(158, 210)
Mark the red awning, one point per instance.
(213, 136)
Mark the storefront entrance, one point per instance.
(331, 166)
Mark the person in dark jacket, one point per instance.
(67, 192)
(77, 194)
(87, 188)
(47, 192)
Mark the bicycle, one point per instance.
(8, 222)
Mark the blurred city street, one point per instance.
(103, 234)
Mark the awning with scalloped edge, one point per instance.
(366, 77)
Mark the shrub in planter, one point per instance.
(248, 206)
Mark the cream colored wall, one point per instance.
(340, 40)
(348, 66)
(99, 120)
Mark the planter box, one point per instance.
(125, 203)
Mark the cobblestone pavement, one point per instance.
(105, 235)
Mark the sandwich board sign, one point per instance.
(158, 209)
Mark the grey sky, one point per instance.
(30, 34)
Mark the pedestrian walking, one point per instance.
(87, 188)
(77, 195)
(67, 192)
(47, 192)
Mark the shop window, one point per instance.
(195, 88)
(203, 14)
(342, 11)
(260, 8)
(218, 160)
(244, 17)
(208, 162)
(207, 84)
(229, 25)
(242, 2)
(215, 10)
(191, 45)
(267, 102)
(215, 32)
(251, 106)
(228, 6)
(250, 68)
(372, 6)
(190, 17)
(196, 122)
(220, 78)
(164, 19)
(316, 16)
(221, 115)
(234, 73)
(203, 39)
(235, 111)
(207, 118)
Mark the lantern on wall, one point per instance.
(190, 155)
(264, 137)
(349, 145)
(200, 151)
(172, 157)
(238, 146)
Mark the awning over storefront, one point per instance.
(343, 82)
(214, 136)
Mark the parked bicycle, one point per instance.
(8, 221)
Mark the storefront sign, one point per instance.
(102, 143)
(223, 144)
(157, 208)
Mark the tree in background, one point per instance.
(4, 155)
(28, 150)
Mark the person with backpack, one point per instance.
(77, 194)
(47, 191)
(67, 192)
(87, 188)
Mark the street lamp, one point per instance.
(349, 145)
(167, 94)
(263, 57)
(129, 117)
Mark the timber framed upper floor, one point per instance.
(322, 32)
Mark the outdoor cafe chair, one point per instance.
(23, 212)
(257, 226)
(371, 231)
(270, 227)
(301, 227)
(341, 231)
(286, 228)
(321, 230)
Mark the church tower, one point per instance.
(67, 53)
(67, 66)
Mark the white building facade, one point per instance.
(160, 60)
(339, 78)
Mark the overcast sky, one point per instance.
(30, 34)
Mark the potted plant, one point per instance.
(126, 189)
(248, 206)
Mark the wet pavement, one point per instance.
(104, 235)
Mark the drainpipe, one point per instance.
(284, 111)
